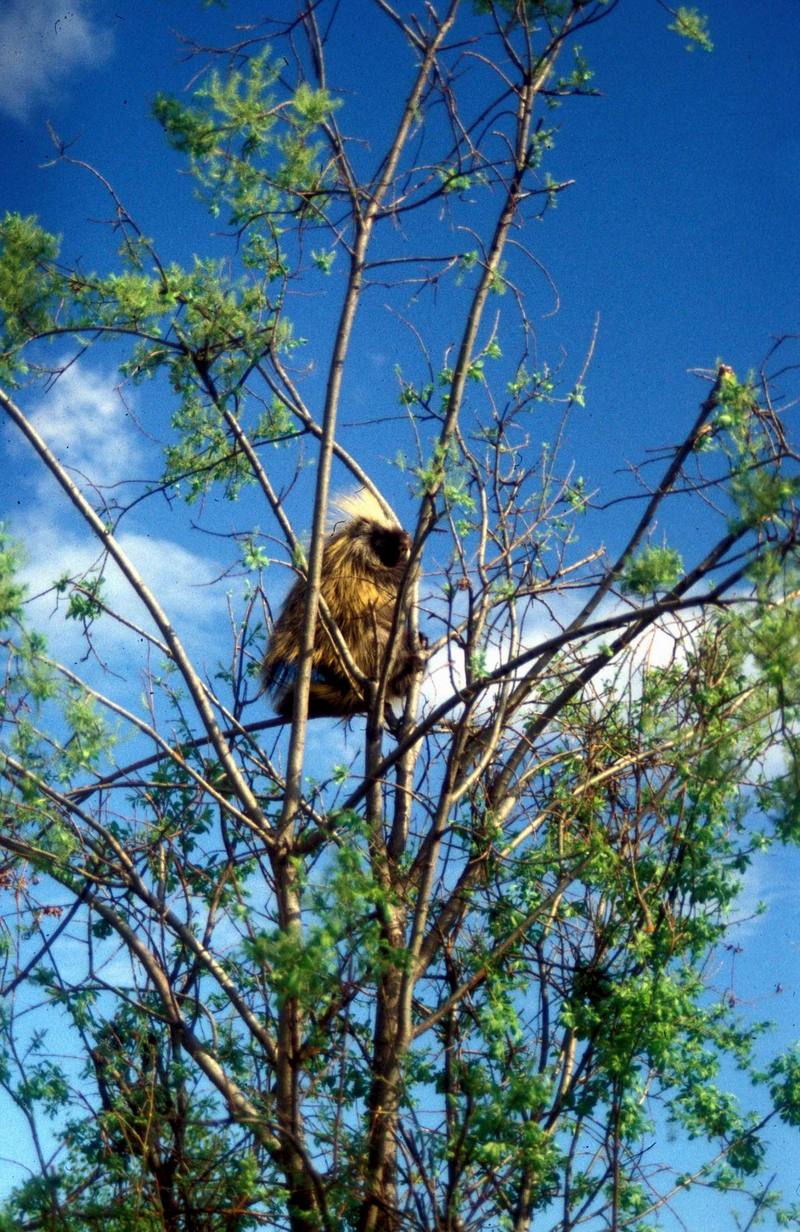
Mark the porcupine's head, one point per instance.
(371, 541)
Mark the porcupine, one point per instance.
(364, 562)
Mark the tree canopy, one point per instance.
(445, 967)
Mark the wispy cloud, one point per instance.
(86, 424)
(92, 432)
(42, 44)
(179, 578)
(768, 890)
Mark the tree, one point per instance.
(459, 983)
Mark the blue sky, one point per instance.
(681, 232)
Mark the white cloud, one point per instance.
(443, 676)
(179, 579)
(669, 640)
(87, 425)
(770, 882)
(89, 428)
(42, 44)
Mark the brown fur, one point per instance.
(363, 565)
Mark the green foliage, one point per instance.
(453, 181)
(446, 474)
(45, 1085)
(248, 152)
(275, 425)
(762, 496)
(652, 570)
(784, 1073)
(203, 454)
(542, 141)
(761, 492)
(576, 495)
(29, 287)
(152, 1136)
(324, 260)
(90, 738)
(34, 692)
(581, 74)
(11, 591)
(253, 556)
(468, 260)
(692, 26)
(85, 603)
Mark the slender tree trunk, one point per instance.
(379, 1212)
(302, 1197)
